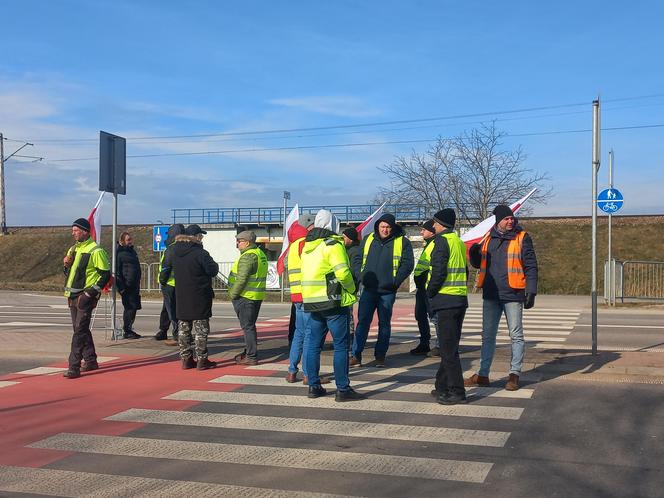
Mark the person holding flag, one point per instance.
(87, 271)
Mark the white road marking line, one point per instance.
(339, 461)
(34, 324)
(370, 385)
(428, 408)
(313, 426)
(92, 485)
(55, 370)
(617, 326)
(7, 383)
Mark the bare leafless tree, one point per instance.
(472, 173)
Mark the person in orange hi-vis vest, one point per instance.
(508, 279)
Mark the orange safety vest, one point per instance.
(515, 275)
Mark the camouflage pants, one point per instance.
(196, 345)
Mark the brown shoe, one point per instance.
(205, 364)
(354, 362)
(512, 383)
(246, 361)
(171, 342)
(323, 380)
(291, 377)
(188, 363)
(477, 380)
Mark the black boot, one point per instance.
(72, 373)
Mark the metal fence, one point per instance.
(150, 276)
(633, 280)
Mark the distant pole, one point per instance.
(596, 165)
(285, 234)
(611, 266)
(3, 217)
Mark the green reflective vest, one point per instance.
(294, 264)
(88, 258)
(456, 282)
(171, 278)
(396, 252)
(327, 281)
(424, 263)
(255, 288)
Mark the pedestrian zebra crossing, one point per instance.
(542, 327)
(249, 433)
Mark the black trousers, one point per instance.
(167, 317)
(82, 345)
(131, 301)
(449, 378)
(422, 316)
(247, 312)
(291, 324)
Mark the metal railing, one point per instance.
(150, 276)
(633, 280)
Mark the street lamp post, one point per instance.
(285, 235)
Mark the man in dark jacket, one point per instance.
(128, 282)
(195, 269)
(385, 259)
(447, 290)
(508, 279)
(168, 316)
(421, 275)
(352, 243)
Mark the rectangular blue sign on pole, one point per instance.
(159, 234)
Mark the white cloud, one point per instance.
(335, 105)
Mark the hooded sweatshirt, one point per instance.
(195, 269)
(377, 273)
(296, 231)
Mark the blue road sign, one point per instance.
(159, 234)
(610, 200)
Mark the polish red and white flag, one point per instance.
(478, 232)
(290, 219)
(93, 219)
(367, 226)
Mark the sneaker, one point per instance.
(380, 362)
(89, 366)
(316, 392)
(160, 336)
(452, 399)
(72, 374)
(420, 350)
(355, 362)
(291, 378)
(131, 335)
(477, 380)
(434, 352)
(512, 383)
(349, 395)
(188, 363)
(205, 364)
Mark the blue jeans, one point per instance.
(337, 324)
(492, 310)
(300, 339)
(371, 301)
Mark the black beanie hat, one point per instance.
(82, 223)
(446, 217)
(428, 225)
(351, 233)
(502, 211)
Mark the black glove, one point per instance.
(530, 301)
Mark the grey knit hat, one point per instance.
(247, 235)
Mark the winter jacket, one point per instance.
(377, 275)
(295, 232)
(353, 252)
(127, 269)
(195, 269)
(421, 279)
(496, 285)
(166, 267)
(246, 267)
(439, 262)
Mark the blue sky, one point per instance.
(163, 69)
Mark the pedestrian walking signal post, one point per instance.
(159, 234)
(610, 200)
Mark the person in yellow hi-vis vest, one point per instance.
(420, 275)
(447, 289)
(87, 271)
(328, 290)
(247, 291)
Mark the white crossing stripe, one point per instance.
(339, 461)
(311, 426)
(33, 324)
(379, 405)
(7, 383)
(367, 385)
(54, 370)
(415, 371)
(71, 484)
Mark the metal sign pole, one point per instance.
(611, 267)
(596, 165)
(114, 252)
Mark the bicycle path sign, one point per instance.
(610, 200)
(159, 234)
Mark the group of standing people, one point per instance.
(327, 272)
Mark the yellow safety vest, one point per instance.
(171, 278)
(396, 252)
(455, 283)
(424, 263)
(89, 258)
(255, 288)
(294, 264)
(327, 281)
